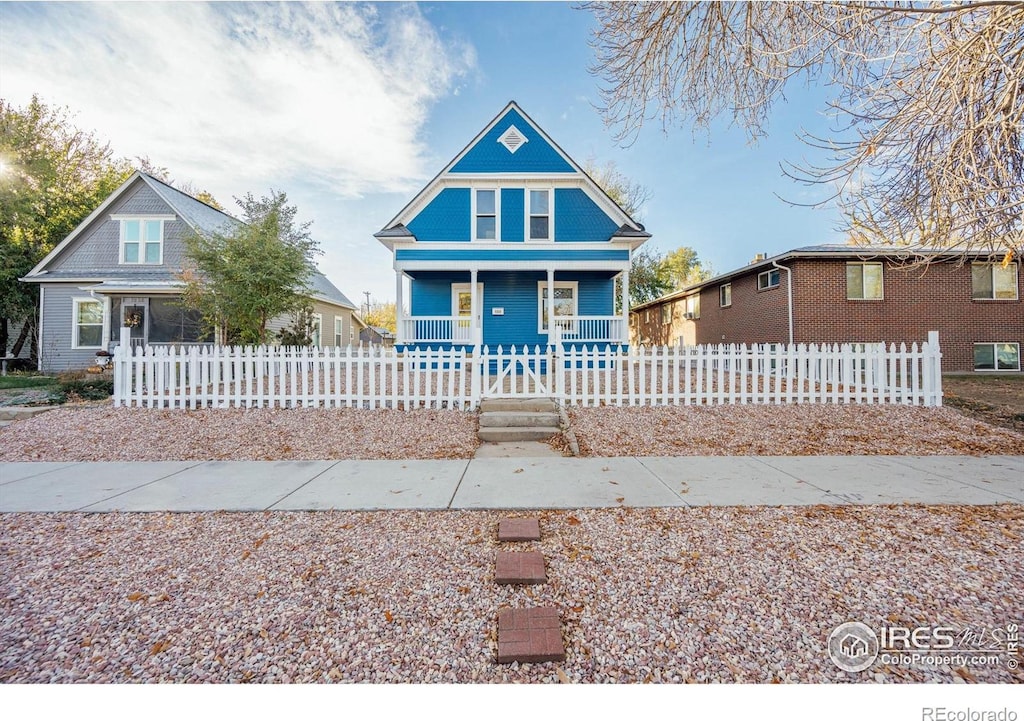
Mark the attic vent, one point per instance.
(512, 139)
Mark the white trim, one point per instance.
(76, 301)
(473, 215)
(768, 276)
(578, 176)
(995, 357)
(541, 286)
(611, 266)
(862, 265)
(143, 216)
(720, 288)
(39, 330)
(339, 330)
(527, 214)
(318, 323)
(142, 241)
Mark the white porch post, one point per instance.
(551, 306)
(399, 314)
(625, 306)
(475, 328)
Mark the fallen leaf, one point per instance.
(562, 678)
(263, 633)
(259, 541)
(577, 609)
(388, 616)
(159, 647)
(518, 470)
(572, 521)
(163, 597)
(245, 554)
(137, 596)
(967, 675)
(620, 499)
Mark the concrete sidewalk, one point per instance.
(510, 483)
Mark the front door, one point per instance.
(134, 315)
(462, 305)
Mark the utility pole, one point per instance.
(367, 294)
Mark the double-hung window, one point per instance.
(991, 281)
(88, 322)
(540, 214)
(864, 281)
(725, 295)
(142, 241)
(564, 304)
(317, 328)
(339, 327)
(486, 220)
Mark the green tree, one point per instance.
(242, 278)
(648, 278)
(52, 175)
(682, 267)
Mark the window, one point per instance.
(768, 279)
(997, 356)
(142, 241)
(692, 308)
(991, 281)
(339, 329)
(564, 303)
(666, 313)
(540, 215)
(317, 327)
(88, 323)
(170, 322)
(725, 295)
(863, 281)
(486, 225)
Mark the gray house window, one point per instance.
(142, 241)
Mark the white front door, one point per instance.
(462, 304)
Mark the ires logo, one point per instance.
(921, 638)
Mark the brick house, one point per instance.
(846, 294)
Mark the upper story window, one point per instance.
(692, 308)
(486, 221)
(864, 281)
(666, 313)
(142, 241)
(725, 295)
(768, 279)
(540, 214)
(991, 281)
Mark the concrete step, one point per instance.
(527, 433)
(20, 413)
(522, 405)
(511, 419)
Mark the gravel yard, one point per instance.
(786, 431)
(143, 434)
(670, 595)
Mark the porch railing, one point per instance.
(591, 328)
(456, 329)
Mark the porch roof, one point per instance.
(500, 256)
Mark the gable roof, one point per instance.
(325, 290)
(196, 214)
(395, 228)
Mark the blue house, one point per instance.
(509, 235)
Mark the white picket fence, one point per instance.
(376, 377)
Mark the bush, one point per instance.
(82, 386)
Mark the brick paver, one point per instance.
(529, 635)
(519, 529)
(519, 568)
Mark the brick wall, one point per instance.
(935, 297)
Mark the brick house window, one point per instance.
(768, 279)
(991, 281)
(864, 281)
(997, 356)
(725, 295)
(666, 313)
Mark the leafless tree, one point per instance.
(928, 102)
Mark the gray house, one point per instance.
(120, 267)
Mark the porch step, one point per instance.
(522, 405)
(517, 419)
(517, 433)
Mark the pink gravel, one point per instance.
(663, 595)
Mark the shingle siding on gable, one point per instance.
(445, 218)
(533, 156)
(578, 218)
(512, 218)
(97, 250)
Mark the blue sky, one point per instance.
(351, 109)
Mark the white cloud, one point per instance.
(239, 97)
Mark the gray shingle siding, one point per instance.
(96, 252)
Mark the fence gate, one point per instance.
(516, 373)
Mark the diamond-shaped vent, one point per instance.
(512, 139)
